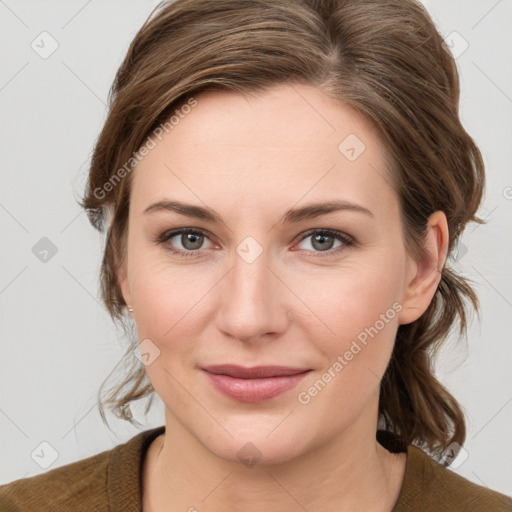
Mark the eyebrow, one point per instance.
(309, 211)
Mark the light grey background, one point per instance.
(57, 341)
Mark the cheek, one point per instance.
(170, 305)
(361, 311)
(349, 299)
(170, 312)
(355, 360)
(165, 293)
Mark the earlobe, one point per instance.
(423, 276)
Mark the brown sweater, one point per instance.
(111, 482)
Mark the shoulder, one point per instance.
(430, 486)
(82, 482)
(106, 481)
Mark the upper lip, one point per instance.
(255, 372)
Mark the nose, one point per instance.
(253, 301)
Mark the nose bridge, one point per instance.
(250, 298)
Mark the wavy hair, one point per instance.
(385, 59)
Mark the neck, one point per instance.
(351, 472)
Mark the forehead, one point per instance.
(288, 144)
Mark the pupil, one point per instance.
(322, 238)
(189, 237)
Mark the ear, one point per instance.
(423, 276)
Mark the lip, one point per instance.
(255, 384)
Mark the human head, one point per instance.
(387, 62)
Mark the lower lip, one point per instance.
(254, 390)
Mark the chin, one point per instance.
(256, 453)
(257, 444)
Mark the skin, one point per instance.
(251, 158)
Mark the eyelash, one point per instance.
(347, 240)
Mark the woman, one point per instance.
(282, 183)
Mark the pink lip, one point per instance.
(253, 384)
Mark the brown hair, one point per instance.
(385, 59)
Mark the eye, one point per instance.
(322, 241)
(190, 238)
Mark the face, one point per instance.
(260, 286)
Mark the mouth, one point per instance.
(256, 372)
(255, 384)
